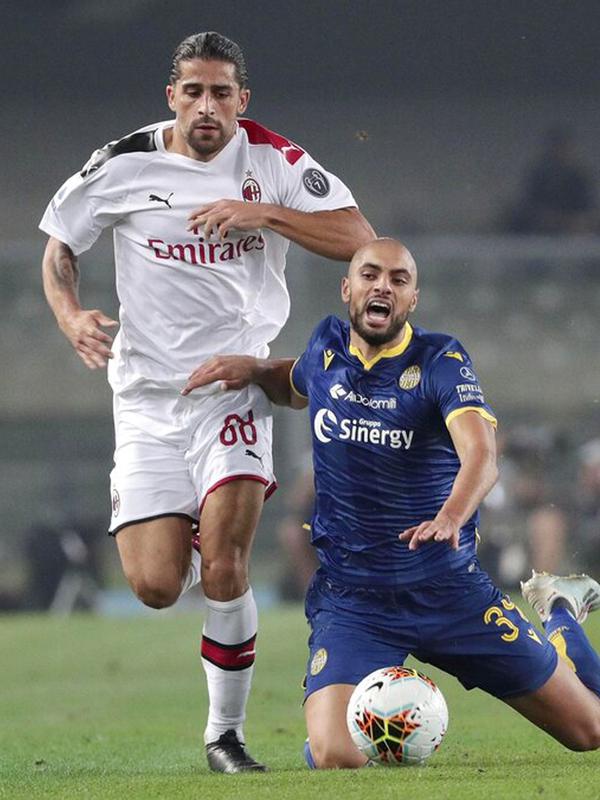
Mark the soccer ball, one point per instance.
(397, 716)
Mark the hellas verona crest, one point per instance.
(410, 378)
(318, 661)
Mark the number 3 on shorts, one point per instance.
(496, 615)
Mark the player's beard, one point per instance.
(209, 145)
(376, 338)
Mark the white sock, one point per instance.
(228, 639)
(193, 576)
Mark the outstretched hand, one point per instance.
(84, 330)
(233, 372)
(440, 529)
(224, 215)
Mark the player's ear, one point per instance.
(244, 100)
(414, 301)
(345, 289)
(170, 92)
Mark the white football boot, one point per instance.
(581, 592)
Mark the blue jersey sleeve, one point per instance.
(304, 367)
(298, 375)
(455, 385)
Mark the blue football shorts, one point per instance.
(458, 621)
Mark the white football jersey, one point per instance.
(183, 298)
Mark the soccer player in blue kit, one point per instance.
(404, 453)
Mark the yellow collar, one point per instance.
(385, 353)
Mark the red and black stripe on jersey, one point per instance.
(142, 142)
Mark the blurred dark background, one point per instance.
(430, 109)
(469, 129)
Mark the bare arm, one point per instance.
(475, 442)
(82, 328)
(236, 372)
(333, 234)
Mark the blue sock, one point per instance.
(573, 646)
(308, 756)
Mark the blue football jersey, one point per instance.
(383, 458)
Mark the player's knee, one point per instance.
(593, 742)
(156, 593)
(586, 737)
(222, 572)
(590, 737)
(333, 755)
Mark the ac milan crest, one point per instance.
(251, 191)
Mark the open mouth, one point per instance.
(378, 311)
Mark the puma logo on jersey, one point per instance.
(454, 354)
(154, 198)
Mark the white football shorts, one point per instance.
(171, 451)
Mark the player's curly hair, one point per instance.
(211, 46)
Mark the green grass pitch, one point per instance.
(114, 708)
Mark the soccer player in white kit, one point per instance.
(202, 208)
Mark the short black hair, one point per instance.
(210, 46)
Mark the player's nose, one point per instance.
(383, 285)
(204, 106)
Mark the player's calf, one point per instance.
(333, 754)
(563, 707)
(329, 742)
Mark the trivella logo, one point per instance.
(326, 427)
(339, 392)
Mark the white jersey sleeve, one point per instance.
(81, 209)
(306, 186)
(96, 197)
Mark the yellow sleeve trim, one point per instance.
(294, 390)
(306, 526)
(485, 414)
